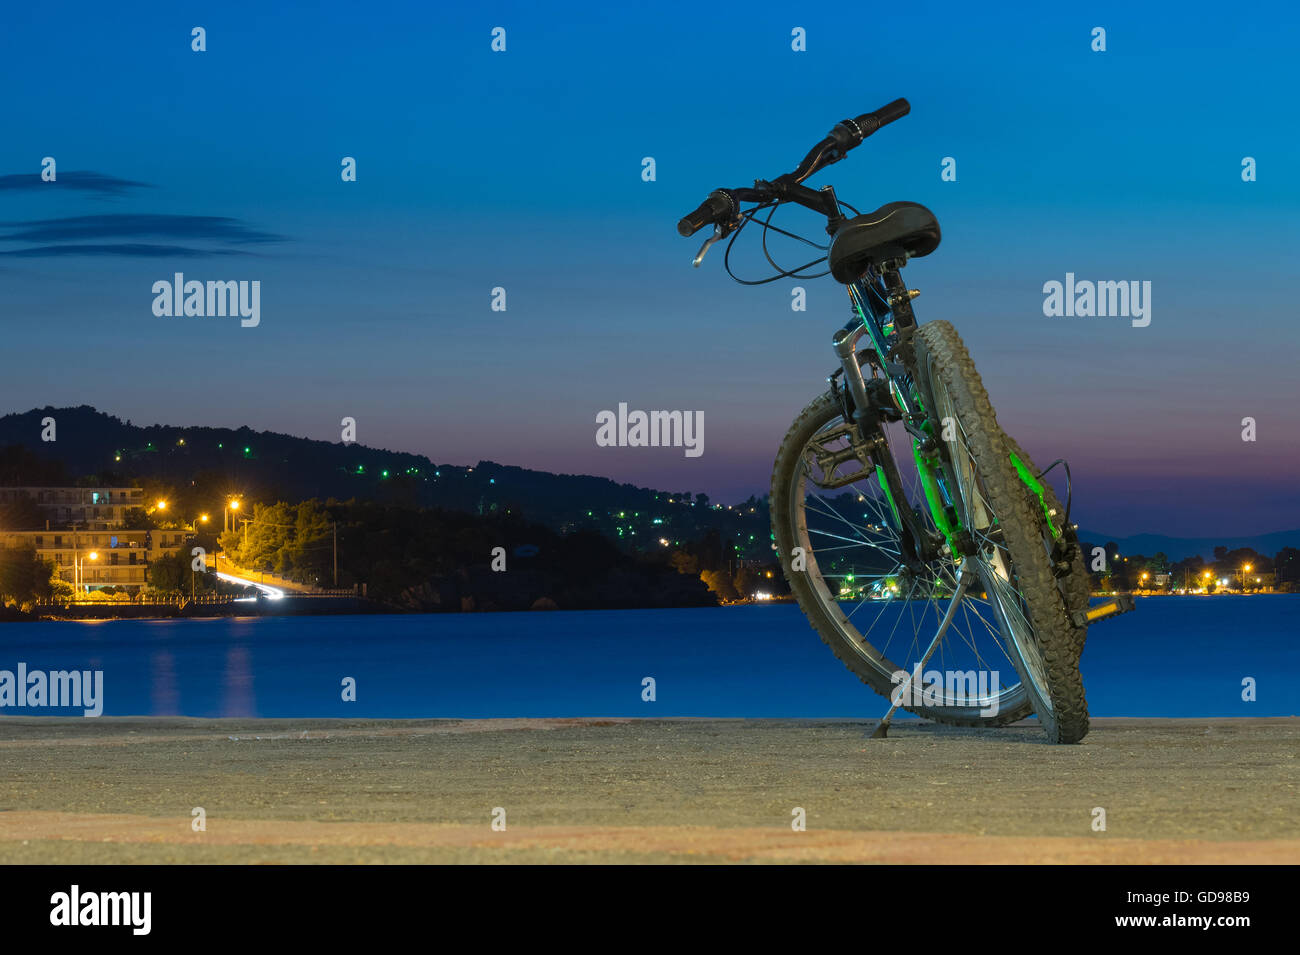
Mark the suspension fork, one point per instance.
(866, 418)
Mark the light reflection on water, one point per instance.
(1173, 657)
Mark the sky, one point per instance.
(523, 170)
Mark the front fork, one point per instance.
(918, 544)
(917, 547)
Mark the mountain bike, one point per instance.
(913, 531)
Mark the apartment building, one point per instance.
(97, 508)
(85, 539)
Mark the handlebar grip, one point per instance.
(851, 132)
(712, 209)
(887, 114)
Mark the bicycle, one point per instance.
(973, 557)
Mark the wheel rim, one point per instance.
(887, 614)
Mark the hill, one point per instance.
(208, 464)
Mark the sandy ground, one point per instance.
(284, 791)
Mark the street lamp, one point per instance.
(231, 505)
(1244, 571)
(78, 572)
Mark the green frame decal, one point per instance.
(925, 468)
(884, 486)
(1036, 486)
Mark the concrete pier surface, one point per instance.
(125, 790)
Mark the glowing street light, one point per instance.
(231, 505)
(78, 570)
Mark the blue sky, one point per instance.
(523, 170)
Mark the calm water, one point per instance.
(1173, 657)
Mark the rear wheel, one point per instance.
(835, 531)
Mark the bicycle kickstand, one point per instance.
(963, 581)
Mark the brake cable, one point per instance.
(748, 217)
(1068, 490)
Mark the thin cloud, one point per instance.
(82, 180)
(134, 225)
(129, 249)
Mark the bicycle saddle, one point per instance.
(893, 229)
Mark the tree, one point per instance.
(720, 583)
(169, 573)
(747, 581)
(20, 467)
(137, 519)
(1188, 572)
(1286, 565)
(24, 576)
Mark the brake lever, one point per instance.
(717, 234)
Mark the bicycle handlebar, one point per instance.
(712, 209)
(722, 205)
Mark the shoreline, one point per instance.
(314, 605)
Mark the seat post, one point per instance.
(900, 298)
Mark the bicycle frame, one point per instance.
(883, 312)
(876, 318)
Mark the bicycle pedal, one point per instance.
(1112, 608)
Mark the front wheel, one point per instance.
(1013, 536)
(835, 526)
